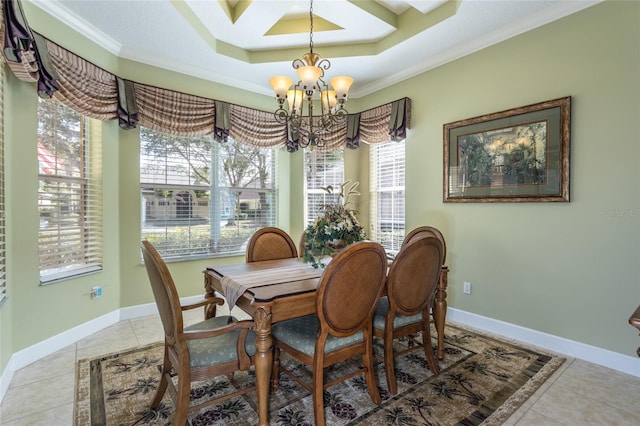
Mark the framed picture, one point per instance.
(518, 155)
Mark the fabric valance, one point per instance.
(102, 95)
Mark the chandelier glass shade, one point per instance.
(307, 129)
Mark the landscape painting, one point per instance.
(515, 155)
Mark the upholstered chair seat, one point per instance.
(380, 316)
(219, 349)
(300, 334)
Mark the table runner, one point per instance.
(234, 285)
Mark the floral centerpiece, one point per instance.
(335, 228)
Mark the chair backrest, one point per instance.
(270, 243)
(414, 274)
(428, 230)
(164, 291)
(350, 286)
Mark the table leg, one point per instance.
(263, 360)
(440, 309)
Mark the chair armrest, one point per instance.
(208, 300)
(205, 334)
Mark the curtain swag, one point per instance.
(222, 126)
(18, 46)
(102, 95)
(353, 131)
(400, 114)
(127, 109)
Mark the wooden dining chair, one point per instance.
(444, 271)
(214, 347)
(347, 294)
(270, 243)
(411, 286)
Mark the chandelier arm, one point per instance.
(281, 115)
(324, 64)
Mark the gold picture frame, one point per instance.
(517, 155)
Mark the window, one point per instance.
(387, 194)
(70, 193)
(321, 170)
(203, 198)
(3, 257)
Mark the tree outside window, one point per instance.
(201, 197)
(69, 194)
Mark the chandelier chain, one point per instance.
(311, 26)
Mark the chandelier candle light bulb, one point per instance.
(280, 84)
(341, 85)
(295, 97)
(329, 100)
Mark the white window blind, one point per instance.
(3, 274)
(70, 192)
(203, 198)
(322, 169)
(387, 194)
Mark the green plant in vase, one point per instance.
(336, 227)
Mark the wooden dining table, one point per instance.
(279, 301)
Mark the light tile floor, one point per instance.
(579, 393)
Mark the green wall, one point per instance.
(567, 269)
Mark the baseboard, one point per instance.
(35, 352)
(48, 346)
(614, 360)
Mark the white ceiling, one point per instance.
(378, 42)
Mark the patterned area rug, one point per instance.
(482, 380)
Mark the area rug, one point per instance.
(482, 380)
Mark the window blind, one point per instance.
(387, 177)
(203, 198)
(3, 274)
(69, 194)
(322, 169)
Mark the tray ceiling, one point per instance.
(243, 43)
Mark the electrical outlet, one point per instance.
(96, 292)
(467, 288)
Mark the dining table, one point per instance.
(276, 290)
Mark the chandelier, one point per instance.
(309, 130)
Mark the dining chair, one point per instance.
(214, 347)
(347, 293)
(434, 232)
(405, 311)
(270, 243)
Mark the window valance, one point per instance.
(102, 95)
